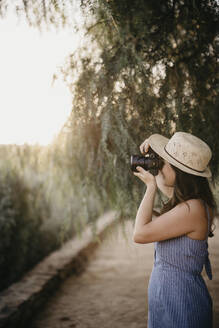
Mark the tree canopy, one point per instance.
(145, 67)
(156, 68)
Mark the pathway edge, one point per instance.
(23, 299)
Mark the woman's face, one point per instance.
(168, 175)
(166, 179)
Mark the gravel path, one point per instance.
(112, 293)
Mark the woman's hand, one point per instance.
(144, 147)
(146, 177)
(142, 174)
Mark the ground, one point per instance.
(112, 292)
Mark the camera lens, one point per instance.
(151, 162)
(137, 160)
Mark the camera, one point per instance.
(150, 162)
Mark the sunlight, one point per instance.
(31, 109)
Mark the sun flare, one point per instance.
(31, 109)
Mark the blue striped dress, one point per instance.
(177, 293)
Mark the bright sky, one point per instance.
(31, 110)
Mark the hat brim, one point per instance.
(158, 142)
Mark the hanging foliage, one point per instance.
(145, 67)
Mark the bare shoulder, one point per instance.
(186, 218)
(197, 215)
(188, 209)
(193, 207)
(194, 211)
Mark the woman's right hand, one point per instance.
(144, 147)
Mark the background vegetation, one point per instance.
(40, 207)
(144, 67)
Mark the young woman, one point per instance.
(177, 294)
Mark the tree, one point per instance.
(146, 67)
(156, 68)
(41, 13)
(151, 69)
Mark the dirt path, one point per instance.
(112, 293)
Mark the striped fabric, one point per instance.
(177, 293)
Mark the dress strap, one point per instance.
(155, 250)
(209, 219)
(207, 261)
(208, 268)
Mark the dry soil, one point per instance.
(112, 292)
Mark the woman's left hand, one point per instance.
(145, 176)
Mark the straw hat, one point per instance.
(183, 150)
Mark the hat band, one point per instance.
(188, 167)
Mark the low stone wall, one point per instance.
(23, 299)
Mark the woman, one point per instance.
(177, 294)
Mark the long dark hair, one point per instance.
(188, 186)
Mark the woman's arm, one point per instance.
(145, 210)
(181, 220)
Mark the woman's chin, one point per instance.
(167, 190)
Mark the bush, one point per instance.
(40, 208)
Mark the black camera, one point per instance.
(151, 162)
